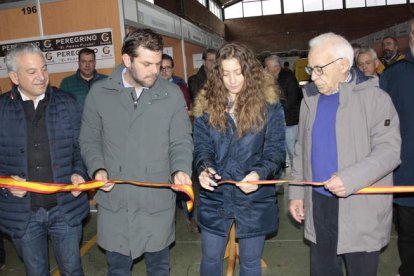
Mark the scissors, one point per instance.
(210, 174)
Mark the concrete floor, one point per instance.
(286, 253)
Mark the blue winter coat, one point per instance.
(63, 124)
(233, 158)
(397, 81)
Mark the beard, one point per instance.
(147, 81)
(388, 54)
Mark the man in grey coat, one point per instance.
(348, 139)
(135, 126)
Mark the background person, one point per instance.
(367, 61)
(197, 81)
(239, 135)
(397, 81)
(167, 73)
(291, 99)
(79, 83)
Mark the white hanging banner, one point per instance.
(61, 51)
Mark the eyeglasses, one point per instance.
(318, 69)
(166, 68)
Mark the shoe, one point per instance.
(286, 165)
(192, 226)
(2, 266)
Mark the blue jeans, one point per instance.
(157, 263)
(291, 132)
(33, 249)
(213, 246)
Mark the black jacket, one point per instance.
(291, 96)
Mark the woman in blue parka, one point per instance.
(239, 134)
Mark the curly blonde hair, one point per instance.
(252, 100)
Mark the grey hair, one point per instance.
(410, 24)
(340, 46)
(21, 48)
(367, 50)
(275, 58)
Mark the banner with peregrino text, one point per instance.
(61, 51)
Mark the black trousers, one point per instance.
(324, 258)
(2, 250)
(405, 230)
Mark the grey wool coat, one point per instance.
(147, 144)
(368, 145)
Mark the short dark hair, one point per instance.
(168, 57)
(391, 37)
(356, 45)
(145, 38)
(86, 51)
(208, 51)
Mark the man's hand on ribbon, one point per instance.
(249, 188)
(335, 186)
(15, 191)
(180, 178)
(76, 180)
(102, 175)
(297, 210)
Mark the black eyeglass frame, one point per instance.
(166, 68)
(319, 69)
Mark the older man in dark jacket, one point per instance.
(39, 128)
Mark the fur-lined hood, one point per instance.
(271, 92)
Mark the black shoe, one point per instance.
(286, 165)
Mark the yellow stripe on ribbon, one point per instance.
(366, 190)
(50, 188)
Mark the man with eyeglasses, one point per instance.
(348, 139)
(367, 61)
(397, 80)
(167, 73)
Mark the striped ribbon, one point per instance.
(366, 190)
(50, 188)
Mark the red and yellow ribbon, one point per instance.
(366, 190)
(50, 188)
